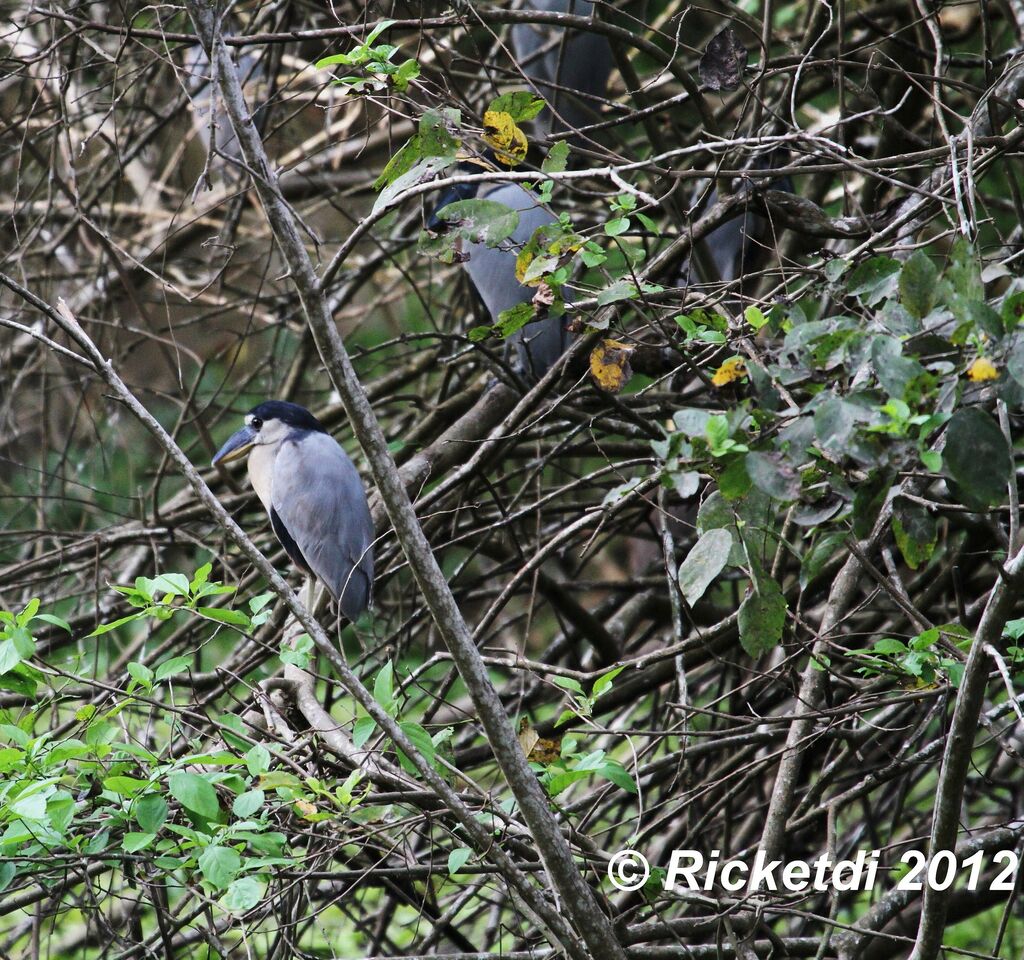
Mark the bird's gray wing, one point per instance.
(492, 271)
(319, 499)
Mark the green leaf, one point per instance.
(384, 686)
(219, 865)
(604, 682)
(894, 371)
(125, 786)
(30, 610)
(835, 268)
(246, 804)
(194, 793)
(300, 653)
(150, 812)
(717, 431)
(734, 481)
(772, 475)
(568, 683)
(716, 513)
(557, 159)
(480, 221)
(918, 284)
(433, 144)
(705, 561)
(242, 895)
(691, 421)
(616, 227)
(512, 319)
(170, 667)
(614, 292)
(235, 618)
(457, 859)
(200, 577)
(976, 458)
(915, 530)
(256, 604)
(107, 627)
(10, 657)
(30, 808)
(874, 279)
(362, 731)
(257, 760)
(134, 842)
(7, 872)
(407, 71)
(824, 549)
(834, 423)
(619, 775)
(176, 584)
(964, 272)
(141, 674)
(521, 105)
(868, 500)
(562, 781)
(421, 741)
(54, 621)
(888, 646)
(762, 618)
(755, 317)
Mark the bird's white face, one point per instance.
(266, 432)
(255, 433)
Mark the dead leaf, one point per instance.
(503, 135)
(538, 749)
(544, 296)
(609, 365)
(724, 61)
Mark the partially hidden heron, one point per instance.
(740, 245)
(314, 496)
(568, 68)
(535, 347)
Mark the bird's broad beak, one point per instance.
(238, 445)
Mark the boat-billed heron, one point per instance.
(314, 496)
(570, 69)
(740, 245)
(537, 346)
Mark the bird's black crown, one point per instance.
(289, 413)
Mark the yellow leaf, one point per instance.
(305, 809)
(609, 365)
(982, 369)
(523, 261)
(733, 369)
(506, 139)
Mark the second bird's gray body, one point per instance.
(315, 499)
(580, 62)
(537, 346)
